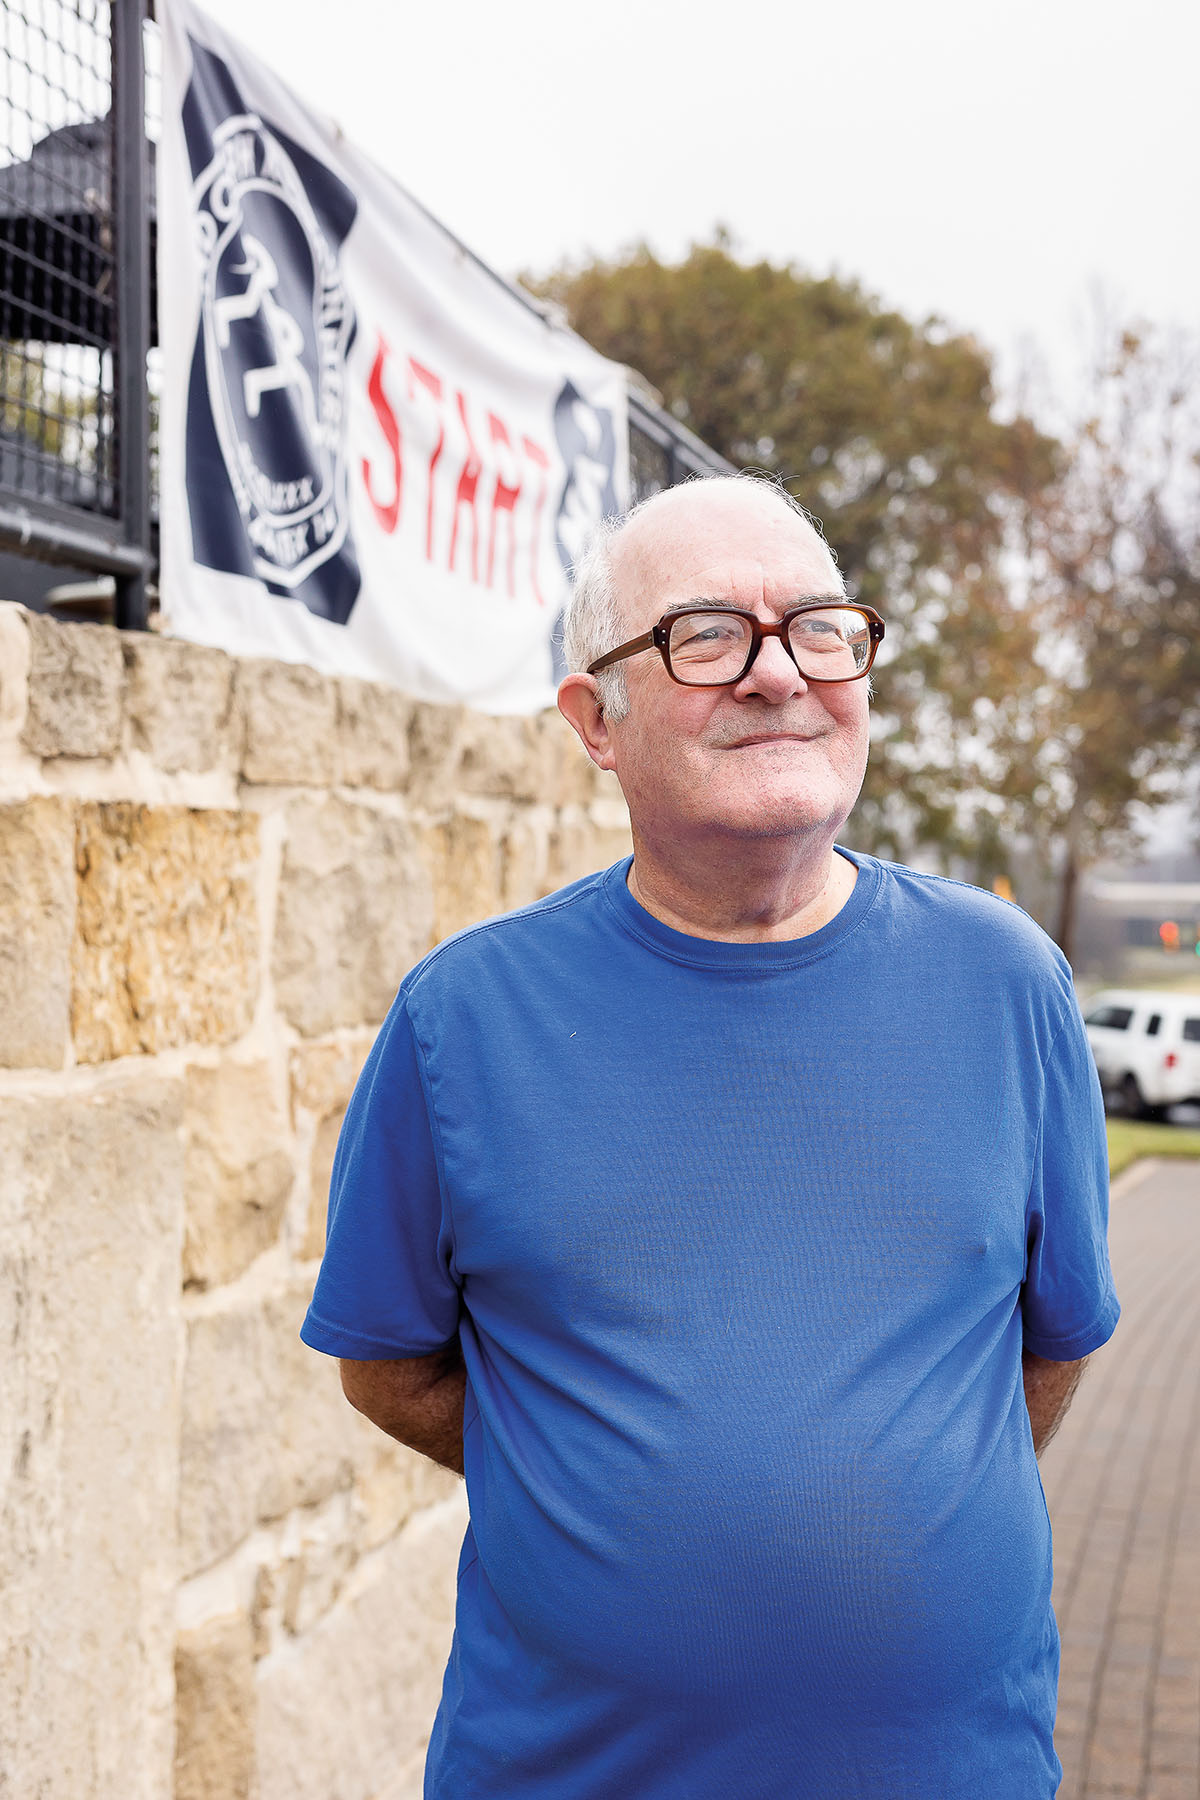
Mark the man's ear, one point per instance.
(579, 703)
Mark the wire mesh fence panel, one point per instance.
(663, 452)
(649, 465)
(58, 277)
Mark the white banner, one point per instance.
(374, 457)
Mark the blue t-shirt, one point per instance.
(742, 1242)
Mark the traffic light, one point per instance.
(1168, 931)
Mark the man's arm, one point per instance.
(1048, 1390)
(418, 1400)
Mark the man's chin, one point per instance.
(781, 820)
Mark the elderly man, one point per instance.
(708, 1214)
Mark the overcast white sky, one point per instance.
(986, 162)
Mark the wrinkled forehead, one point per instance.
(719, 540)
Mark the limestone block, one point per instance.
(508, 758)
(166, 946)
(455, 751)
(581, 845)
(90, 1228)
(315, 1577)
(76, 678)
(239, 1170)
(354, 913)
(290, 720)
(16, 656)
(301, 1568)
(346, 1707)
(434, 750)
(371, 749)
(525, 864)
(270, 1591)
(215, 1750)
(393, 1484)
(323, 1075)
(179, 701)
(535, 761)
(37, 925)
(265, 1425)
(320, 1170)
(408, 1781)
(463, 855)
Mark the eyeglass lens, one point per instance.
(832, 643)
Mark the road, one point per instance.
(1122, 1483)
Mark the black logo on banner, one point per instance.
(266, 457)
(587, 443)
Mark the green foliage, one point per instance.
(1112, 711)
(882, 427)
(885, 429)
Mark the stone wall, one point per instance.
(218, 1582)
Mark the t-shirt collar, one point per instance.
(790, 953)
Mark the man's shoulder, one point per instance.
(956, 913)
(568, 916)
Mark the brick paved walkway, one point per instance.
(1122, 1482)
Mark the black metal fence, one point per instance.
(663, 452)
(75, 289)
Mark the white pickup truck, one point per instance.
(1146, 1046)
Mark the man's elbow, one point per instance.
(1049, 1389)
(417, 1399)
(382, 1391)
(356, 1387)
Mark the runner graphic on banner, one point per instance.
(375, 457)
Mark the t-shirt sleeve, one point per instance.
(386, 1287)
(1069, 1307)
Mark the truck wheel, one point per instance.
(1131, 1094)
(1135, 1101)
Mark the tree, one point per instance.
(1110, 714)
(886, 430)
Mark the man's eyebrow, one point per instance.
(703, 603)
(700, 602)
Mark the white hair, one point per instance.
(593, 622)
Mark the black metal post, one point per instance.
(131, 220)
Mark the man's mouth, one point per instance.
(755, 739)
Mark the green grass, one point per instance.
(1130, 1138)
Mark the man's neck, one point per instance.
(765, 895)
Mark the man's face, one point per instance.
(774, 754)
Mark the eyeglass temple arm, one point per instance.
(647, 642)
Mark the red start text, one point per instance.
(479, 487)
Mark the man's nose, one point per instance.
(772, 675)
